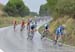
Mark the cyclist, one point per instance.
(46, 31)
(32, 30)
(14, 23)
(22, 25)
(59, 34)
(28, 27)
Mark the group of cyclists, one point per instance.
(31, 28)
(22, 24)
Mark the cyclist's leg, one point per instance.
(32, 34)
(60, 39)
(27, 27)
(28, 34)
(21, 28)
(61, 36)
(47, 33)
(43, 35)
(14, 27)
(56, 38)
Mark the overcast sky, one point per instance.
(33, 5)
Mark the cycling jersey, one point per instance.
(59, 30)
(32, 27)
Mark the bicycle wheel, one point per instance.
(43, 35)
(32, 34)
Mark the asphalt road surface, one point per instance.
(11, 41)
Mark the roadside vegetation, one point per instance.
(63, 12)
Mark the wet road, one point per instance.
(11, 41)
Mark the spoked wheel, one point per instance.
(44, 34)
(30, 35)
(22, 28)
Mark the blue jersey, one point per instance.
(33, 26)
(59, 30)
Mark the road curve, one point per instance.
(11, 41)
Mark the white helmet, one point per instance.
(46, 25)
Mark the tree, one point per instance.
(33, 14)
(43, 10)
(61, 7)
(16, 8)
(66, 7)
(51, 5)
